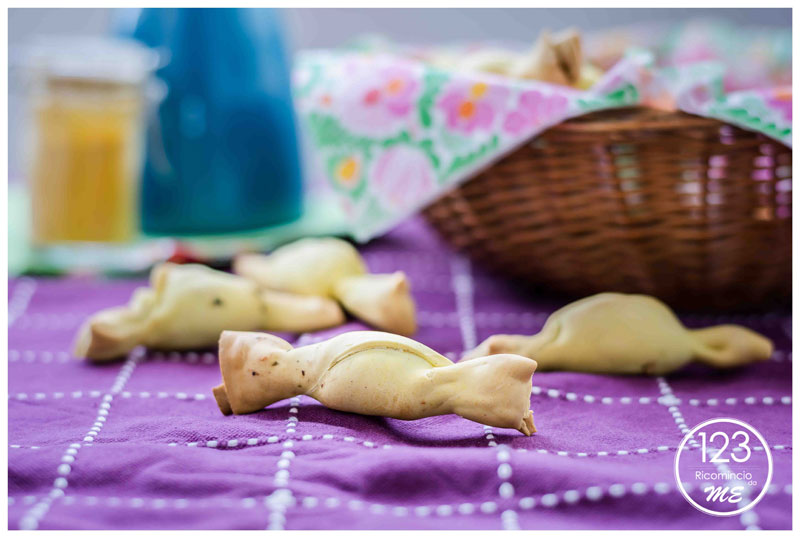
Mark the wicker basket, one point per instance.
(689, 209)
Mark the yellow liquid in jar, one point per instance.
(86, 162)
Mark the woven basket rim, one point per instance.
(636, 118)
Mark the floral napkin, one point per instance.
(391, 133)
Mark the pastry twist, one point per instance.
(374, 373)
(615, 333)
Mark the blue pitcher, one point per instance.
(222, 151)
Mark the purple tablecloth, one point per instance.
(141, 444)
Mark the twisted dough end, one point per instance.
(243, 358)
(381, 300)
(527, 427)
(729, 346)
(221, 395)
(98, 340)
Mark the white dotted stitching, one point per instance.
(46, 321)
(282, 498)
(462, 285)
(188, 356)
(20, 299)
(591, 493)
(15, 355)
(30, 520)
(96, 394)
(463, 290)
(243, 442)
(666, 399)
(666, 391)
(27, 355)
(484, 319)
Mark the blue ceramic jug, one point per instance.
(222, 151)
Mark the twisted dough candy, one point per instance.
(330, 267)
(616, 333)
(188, 306)
(374, 373)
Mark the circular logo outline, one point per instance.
(737, 422)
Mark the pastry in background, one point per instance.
(554, 58)
(188, 306)
(615, 333)
(333, 268)
(374, 373)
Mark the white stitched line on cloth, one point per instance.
(188, 356)
(282, 498)
(672, 401)
(20, 299)
(630, 452)
(163, 394)
(508, 517)
(15, 355)
(436, 282)
(56, 322)
(260, 441)
(76, 394)
(666, 399)
(30, 520)
(503, 319)
(748, 400)
(463, 289)
(484, 319)
(592, 493)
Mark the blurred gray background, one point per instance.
(314, 27)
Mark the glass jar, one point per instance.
(88, 100)
(86, 160)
